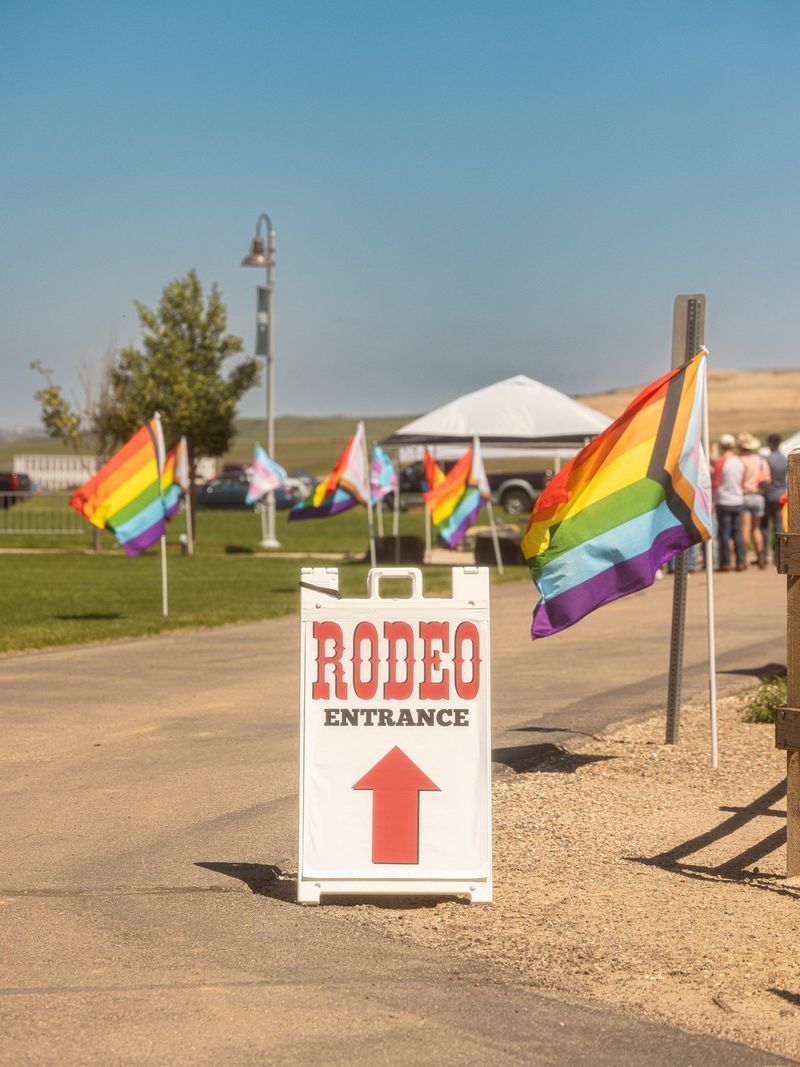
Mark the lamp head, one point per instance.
(257, 257)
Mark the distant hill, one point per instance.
(761, 401)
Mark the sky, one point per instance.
(460, 192)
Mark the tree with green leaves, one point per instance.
(180, 371)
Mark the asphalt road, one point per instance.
(149, 787)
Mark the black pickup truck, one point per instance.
(516, 491)
(13, 488)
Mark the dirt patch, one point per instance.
(639, 878)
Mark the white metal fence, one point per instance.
(40, 514)
(68, 472)
(56, 472)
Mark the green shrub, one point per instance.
(763, 703)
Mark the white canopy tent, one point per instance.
(790, 444)
(517, 414)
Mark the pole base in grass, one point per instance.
(270, 542)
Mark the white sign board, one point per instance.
(395, 761)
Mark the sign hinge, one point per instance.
(787, 553)
(787, 728)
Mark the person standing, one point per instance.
(774, 491)
(726, 481)
(756, 476)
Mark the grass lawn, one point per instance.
(218, 532)
(68, 599)
(68, 596)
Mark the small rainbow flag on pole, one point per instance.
(345, 487)
(639, 494)
(454, 504)
(125, 495)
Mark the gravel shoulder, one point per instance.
(629, 874)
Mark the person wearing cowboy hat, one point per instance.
(756, 477)
(726, 481)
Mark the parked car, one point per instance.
(516, 491)
(13, 488)
(230, 491)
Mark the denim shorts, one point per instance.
(754, 503)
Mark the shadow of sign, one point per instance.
(543, 758)
(739, 867)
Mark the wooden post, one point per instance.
(793, 679)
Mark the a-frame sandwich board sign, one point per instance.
(395, 760)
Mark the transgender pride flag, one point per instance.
(382, 475)
(265, 477)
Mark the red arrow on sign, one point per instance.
(396, 783)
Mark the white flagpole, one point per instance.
(495, 538)
(164, 590)
(370, 526)
(428, 547)
(378, 507)
(160, 465)
(709, 549)
(187, 496)
(396, 516)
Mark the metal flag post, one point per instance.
(688, 328)
(370, 525)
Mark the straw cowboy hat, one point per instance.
(748, 442)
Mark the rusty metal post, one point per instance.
(688, 329)
(793, 679)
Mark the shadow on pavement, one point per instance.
(263, 878)
(769, 670)
(740, 867)
(545, 758)
(267, 880)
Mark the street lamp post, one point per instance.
(259, 257)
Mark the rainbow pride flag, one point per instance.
(346, 486)
(175, 477)
(433, 473)
(456, 501)
(639, 494)
(125, 495)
